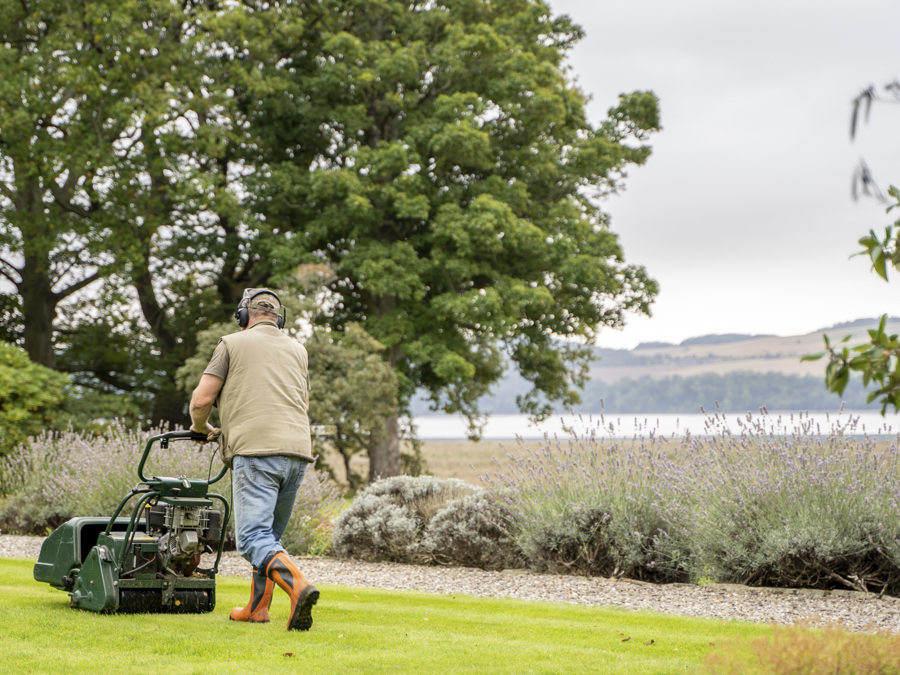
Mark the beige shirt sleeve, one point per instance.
(219, 363)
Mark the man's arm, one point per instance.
(202, 402)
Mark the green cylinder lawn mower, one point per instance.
(150, 562)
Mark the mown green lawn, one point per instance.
(355, 630)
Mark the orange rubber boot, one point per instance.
(291, 580)
(257, 610)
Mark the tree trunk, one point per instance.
(348, 472)
(38, 300)
(39, 310)
(40, 245)
(384, 458)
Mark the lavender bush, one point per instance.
(760, 500)
(782, 503)
(56, 476)
(756, 499)
(596, 507)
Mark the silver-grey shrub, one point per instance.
(388, 519)
(474, 531)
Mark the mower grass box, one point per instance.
(149, 562)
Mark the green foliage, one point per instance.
(29, 397)
(436, 158)
(86, 409)
(355, 392)
(124, 162)
(877, 361)
(57, 142)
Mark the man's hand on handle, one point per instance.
(212, 433)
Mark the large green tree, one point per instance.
(456, 198)
(124, 147)
(59, 120)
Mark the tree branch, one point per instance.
(66, 204)
(7, 269)
(78, 285)
(10, 194)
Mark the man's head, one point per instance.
(257, 304)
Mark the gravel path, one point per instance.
(855, 611)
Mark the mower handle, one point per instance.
(164, 439)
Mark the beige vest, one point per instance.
(263, 403)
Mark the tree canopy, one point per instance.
(457, 196)
(434, 156)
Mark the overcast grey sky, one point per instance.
(743, 213)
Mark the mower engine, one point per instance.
(149, 562)
(184, 534)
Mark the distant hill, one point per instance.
(734, 371)
(721, 339)
(723, 354)
(859, 323)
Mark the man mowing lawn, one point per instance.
(259, 378)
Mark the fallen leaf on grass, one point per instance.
(649, 642)
(626, 639)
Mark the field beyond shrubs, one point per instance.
(779, 502)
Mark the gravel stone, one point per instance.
(862, 612)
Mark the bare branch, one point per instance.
(864, 184)
(864, 100)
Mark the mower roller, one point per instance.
(149, 562)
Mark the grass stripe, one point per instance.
(355, 630)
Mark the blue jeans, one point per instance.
(264, 490)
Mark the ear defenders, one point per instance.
(242, 313)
